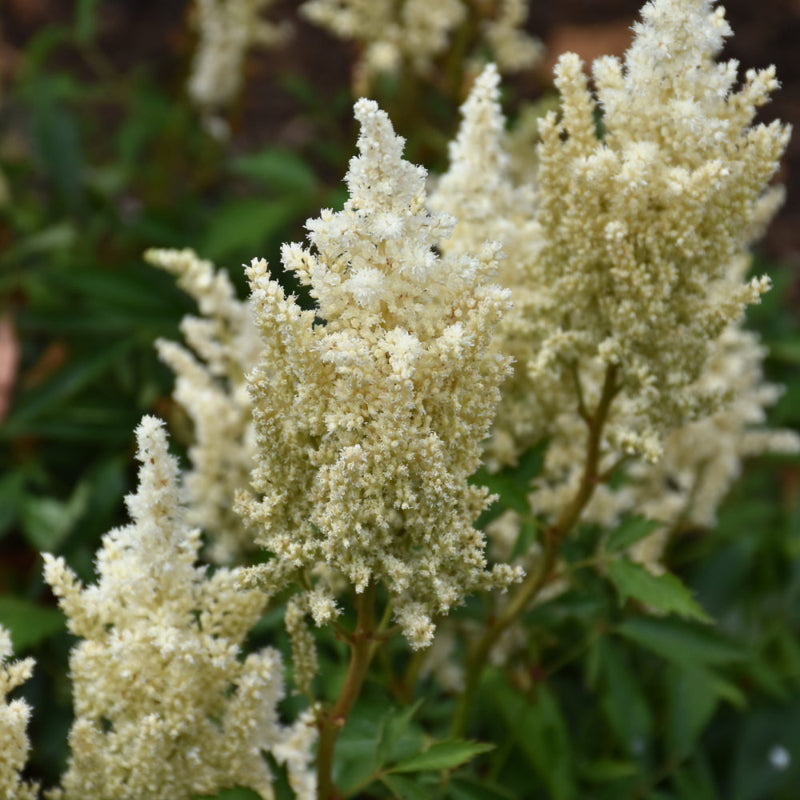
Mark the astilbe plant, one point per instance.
(597, 309)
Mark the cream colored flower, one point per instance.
(410, 34)
(370, 409)
(223, 345)
(226, 30)
(14, 715)
(639, 227)
(164, 706)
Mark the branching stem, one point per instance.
(554, 537)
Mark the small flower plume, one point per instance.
(223, 345)
(226, 30)
(164, 706)
(370, 409)
(639, 227)
(412, 33)
(479, 192)
(14, 715)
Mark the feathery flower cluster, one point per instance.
(14, 715)
(164, 707)
(638, 228)
(210, 386)
(226, 30)
(479, 192)
(512, 48)
(414, 32)
(700, 458)
(370, 409)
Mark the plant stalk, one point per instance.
(554, 537)
(331, 720)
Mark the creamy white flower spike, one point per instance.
(14, 716)
(164, 707)
(223, 346)
(639, 227)
(478, 190)
(226, 30)
(370, 409)
(700, 458)
(412, 33)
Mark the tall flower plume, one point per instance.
(370, 409)
(164, 707)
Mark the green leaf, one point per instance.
(663, 593)
(442, 756)
(530, 463)
(695, 781)
(602, 770)
(525, 539)
(468, 789)
(623, 699)
(46, 521)
(630, 531)
(692, 700)
(246, 225)
(393, 729)
(540, 732)
(280, 170)
(355, 749)
(682, 643)
(56, 140)
(74, 376)
(787, 350)
(29, 623)
(12, 494)
(407, 789)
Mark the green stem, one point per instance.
(554, 537)
(331, 721)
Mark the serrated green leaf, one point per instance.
(393, 728)
(630, 531)
(623, 699)
(663, 593)
(442, 756)
(682, 643)
(540, 732)
(692, 700)
(29, 623)
(406, 789)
